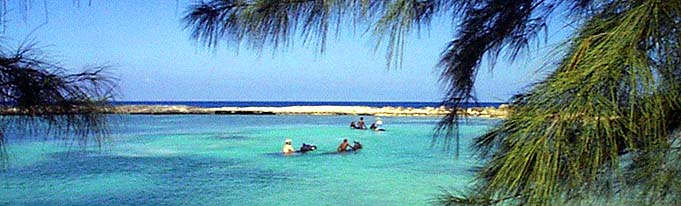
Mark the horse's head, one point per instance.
(307, 148)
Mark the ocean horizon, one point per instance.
(213, 104)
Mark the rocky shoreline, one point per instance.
(490, 112)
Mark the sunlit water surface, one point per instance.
(234, 160)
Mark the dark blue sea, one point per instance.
(209, 104)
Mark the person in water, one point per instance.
(361, 124)
(357, 146)
(352, 125)
(288, 149)
(343, 147)
(379, 122)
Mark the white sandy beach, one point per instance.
(492, 112)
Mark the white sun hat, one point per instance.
(288, 141)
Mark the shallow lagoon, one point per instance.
(223, 160)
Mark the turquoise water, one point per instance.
(234, 160)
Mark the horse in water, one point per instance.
(307, 147)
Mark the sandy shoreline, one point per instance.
(491, 112)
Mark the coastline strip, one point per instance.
(491, 112)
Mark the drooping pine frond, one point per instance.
(37, 95)
(486, 29)
(278, 22)
(606, 108)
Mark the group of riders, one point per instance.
(344, 146)
(377, 125)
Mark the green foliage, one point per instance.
(277, 22)
(603, 128)
(600, 121)
(37, 95)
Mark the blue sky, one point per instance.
(155, 59)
